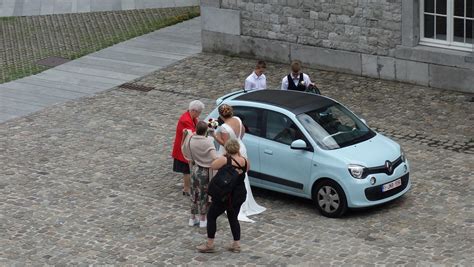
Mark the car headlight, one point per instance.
(402, 155)
(356, 171)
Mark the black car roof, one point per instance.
(294, 101)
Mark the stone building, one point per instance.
(427, 42)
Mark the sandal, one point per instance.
(234, 248)
(205, 248)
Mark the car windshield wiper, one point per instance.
(359, 139)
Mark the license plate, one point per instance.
(391, 185)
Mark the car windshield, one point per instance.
(334, 126)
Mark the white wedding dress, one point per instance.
(249, 207)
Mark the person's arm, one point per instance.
(284, 83)
(221, 137)
(188, 125)
(248, 164)
(307, 80)
(218, 163)
(248, 85)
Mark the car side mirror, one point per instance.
(299, 145)
(364, 121)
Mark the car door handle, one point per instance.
(268, 151)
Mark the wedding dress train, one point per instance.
(250, 206)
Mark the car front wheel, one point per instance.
(330, 199)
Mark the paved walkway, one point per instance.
(100, 71)
(46, 7)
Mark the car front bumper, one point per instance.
(361, 193)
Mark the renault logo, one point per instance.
(389, 167)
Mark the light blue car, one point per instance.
(313, 147)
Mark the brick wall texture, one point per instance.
(366, 26)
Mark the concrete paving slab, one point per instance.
(164, 46)
(47, 7)
(5, 117)
(109, 62)
(38, 99)
(41, 88)
(78, 89)
(7, 7)
(63, 6)
(18, 11)
(84, 88)
(90, 70)
(84, 6)
(69, 77)
(7, 103)
(128, 4)
(156, 61)
(31, 7)
(119, 67)
(105, 5)
(146, 52)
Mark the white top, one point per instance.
(254, 82)
(284, 82)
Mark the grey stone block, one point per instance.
(337, 60)
(47, 7)
(369, 66)
(105, 5)
(412, 72)
(410, 22)
(211, 3)
(217, 42)
(452, 78)
(265, 49)
(386, 68)
(435, 55)
(220, 20)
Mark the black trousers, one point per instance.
(215, 210)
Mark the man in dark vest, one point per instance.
(296, 80)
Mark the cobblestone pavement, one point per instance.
(25, 40)
(90, 182)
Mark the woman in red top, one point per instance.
(188, 120)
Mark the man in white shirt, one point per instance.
(296, 80)
(257, 80)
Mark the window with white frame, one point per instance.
(447, 23)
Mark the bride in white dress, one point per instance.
(226, 131)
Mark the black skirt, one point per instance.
(181, 167)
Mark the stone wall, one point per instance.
(371, 27)
(374, 38)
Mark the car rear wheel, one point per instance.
(330, 199)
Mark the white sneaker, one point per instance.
(203, 224)
(193, 222)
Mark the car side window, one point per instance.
(251, 118)
(281, 129)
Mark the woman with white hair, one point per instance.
(188, 120)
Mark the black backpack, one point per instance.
(225, 180)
